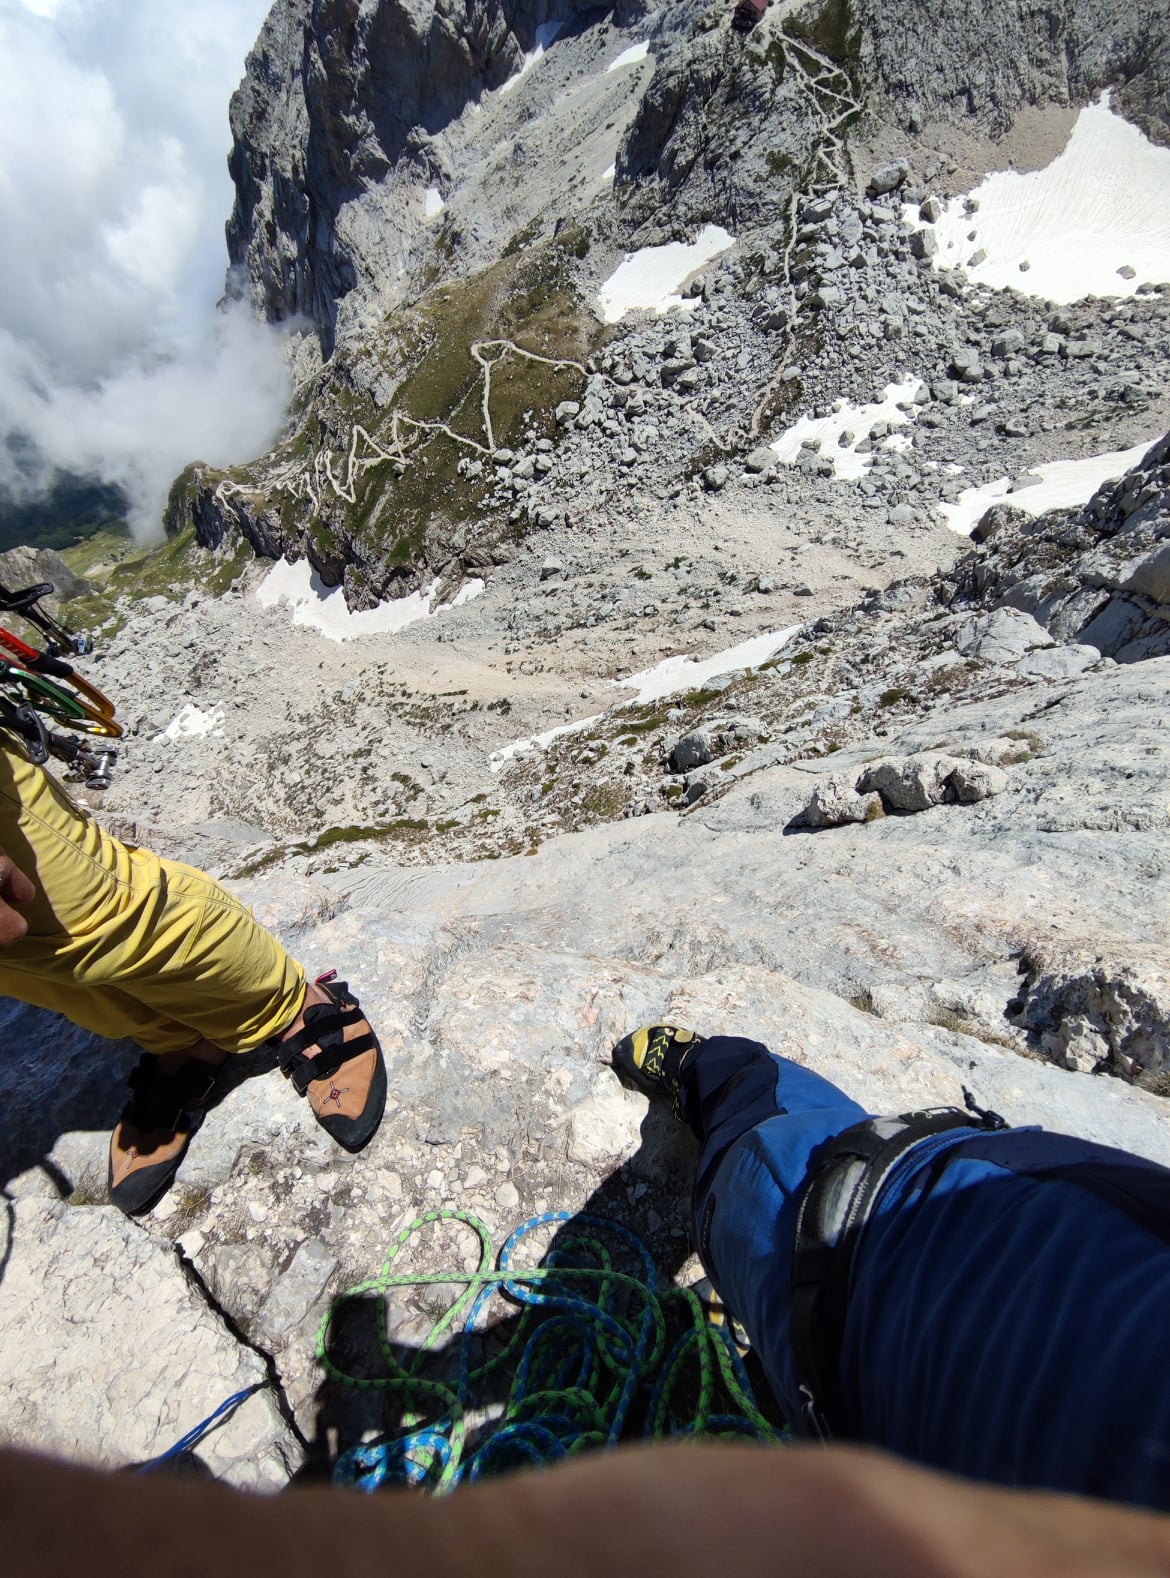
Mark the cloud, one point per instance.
(113, 193)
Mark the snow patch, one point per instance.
(192, 724)
(1063, 484)
(648, 279)
(655, 684)
(689, 673)
(324, 608)
(608, 175)
(538, 742)
(433, 204)
(630, 57)
(545, 34)
(858, 420)
(1102, 204)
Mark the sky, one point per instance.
(113, 196)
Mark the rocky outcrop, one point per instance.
(730, 128)
(21, 567)
(336, 96)
(1098, 576)
(110, 1354)
(990, 60)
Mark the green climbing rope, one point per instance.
(588, 1359)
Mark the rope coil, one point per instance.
(590, 1356)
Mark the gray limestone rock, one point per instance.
(888, 178)
(1149, 574)
(694, 750)
(836, 802)
(1001, 636)
(972, 781)
(1058, 662)
(913, 783)
(128, 1355)
(1091, 1009)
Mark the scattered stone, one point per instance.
(836, 802)
(888, 178)
(966, 366)
(552, 569)
(693, 750)
(715, 478)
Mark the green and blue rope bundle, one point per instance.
(588, 1358)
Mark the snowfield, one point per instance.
(324, 608)
(648, 280)
(545, 34)
(829, 430)
(1101, 206)
(629, 57)
(656, 684)
(1062, 485)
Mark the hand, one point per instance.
(15, 888)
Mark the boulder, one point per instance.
(1149, 574)
(693, 750)
(1003, 636)
(888, 178)
(836, 802)
(911, 783)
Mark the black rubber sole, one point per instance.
(146, 1186)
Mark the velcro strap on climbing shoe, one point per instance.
(158, 1100)
(324, 1028)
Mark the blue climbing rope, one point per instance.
(588, 1359)
(193, 1437)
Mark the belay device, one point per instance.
(41, 688)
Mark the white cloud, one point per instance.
(113, 195)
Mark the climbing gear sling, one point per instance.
(833, 1208)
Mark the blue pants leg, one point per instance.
(759, 1119)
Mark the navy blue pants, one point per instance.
(1010, 1302)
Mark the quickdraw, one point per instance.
(35, 685)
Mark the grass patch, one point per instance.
(891, 698)
(604, 802)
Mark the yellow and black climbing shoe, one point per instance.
(651, 1060)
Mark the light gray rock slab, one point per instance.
(1058, 662)
(1002, 636)
(109, 1354)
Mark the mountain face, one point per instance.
(417, 181)
(338, 97)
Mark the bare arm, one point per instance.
(691, 1512)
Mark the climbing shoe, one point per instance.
(335, 1061)
(151, 1137)
(651, 1060)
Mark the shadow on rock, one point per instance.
(65, 1080)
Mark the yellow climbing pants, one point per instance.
(126, 944)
